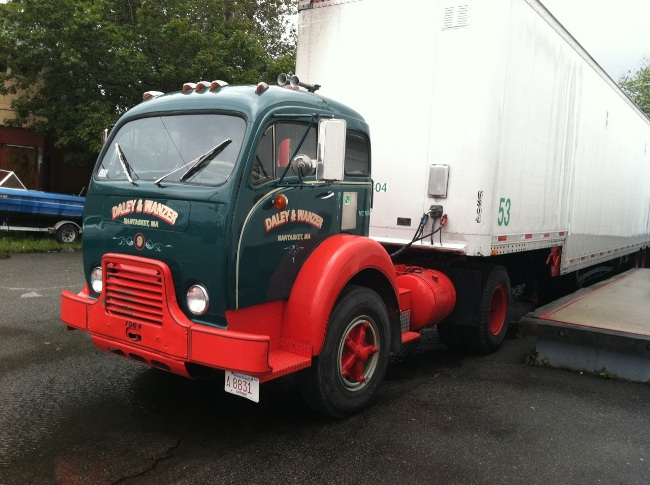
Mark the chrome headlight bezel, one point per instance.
(96, 279)
(197, 299)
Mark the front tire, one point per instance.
(345, 376)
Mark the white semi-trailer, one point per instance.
(492, 110)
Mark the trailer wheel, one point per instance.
(495, 306)
(67, 234)
(345, 376)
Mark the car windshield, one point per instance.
(147, 149)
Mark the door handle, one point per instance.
(328, 195)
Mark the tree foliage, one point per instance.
(637, 86)
(79, 64)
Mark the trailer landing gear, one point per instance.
(345, 376)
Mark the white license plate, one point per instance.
(242, 385)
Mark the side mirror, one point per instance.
(331, 150)
(302, 163)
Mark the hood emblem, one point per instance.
(140, 243)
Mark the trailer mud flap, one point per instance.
(467, 283)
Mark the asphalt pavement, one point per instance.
(71, 414)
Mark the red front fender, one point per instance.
(322, 278)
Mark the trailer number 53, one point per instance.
(504, 212)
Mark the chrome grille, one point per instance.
(134, 292)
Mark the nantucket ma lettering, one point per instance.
(293, 215)
(150, 207)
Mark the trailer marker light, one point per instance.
(96, 279)
(188, 88)
(280, 202)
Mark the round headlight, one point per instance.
(96, 279)
(197, 299)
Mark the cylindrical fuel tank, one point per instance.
(433, 295)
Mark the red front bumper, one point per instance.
(137, 316)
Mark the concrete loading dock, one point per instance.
(603, 329)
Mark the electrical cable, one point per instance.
(416, 237)
(418, 233)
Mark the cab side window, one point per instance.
(276, 148)
(357, 155)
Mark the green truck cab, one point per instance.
(218, 227)
(225, 228)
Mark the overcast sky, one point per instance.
(615, 32)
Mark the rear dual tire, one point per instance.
(488, 335)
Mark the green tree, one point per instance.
(637, 86)
(80, 64)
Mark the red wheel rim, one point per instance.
(498, 310)
(358, 353)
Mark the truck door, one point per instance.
(277, 227)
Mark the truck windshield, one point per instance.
(160, 146)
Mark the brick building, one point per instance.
(34, 159)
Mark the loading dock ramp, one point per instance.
(603, 329)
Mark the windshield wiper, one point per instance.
(205, 159)
(206, 156)
(157, 181)
(125, 164)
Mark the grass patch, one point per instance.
(36, 242)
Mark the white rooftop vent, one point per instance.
(455, 16)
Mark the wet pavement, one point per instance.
(73, 415)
